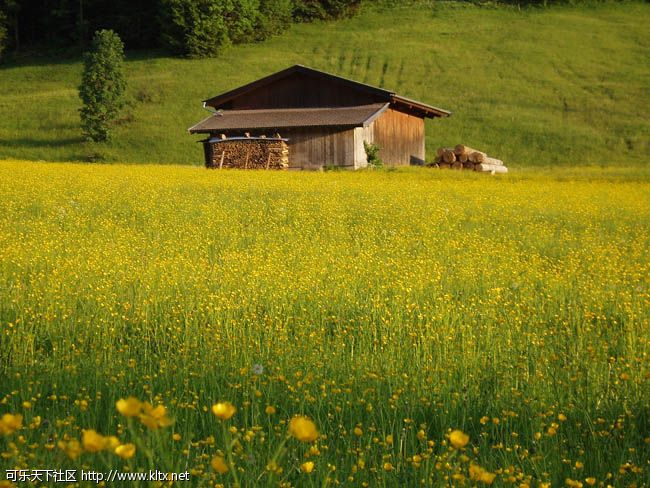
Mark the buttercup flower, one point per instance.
(224, 410)
(131, 407)
(458, 439)
(219, 465)
(10, 423)
(125, 451)
(303, 429)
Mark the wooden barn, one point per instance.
(302, 118)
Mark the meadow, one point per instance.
(533, 86)
(379, 328)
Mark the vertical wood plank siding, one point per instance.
(400, 137)
(313, 148)
(300, 91)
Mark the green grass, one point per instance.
(403, 303)
(559, 86)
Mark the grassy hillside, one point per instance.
(534, 87)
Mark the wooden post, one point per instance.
(248, 154)
(268, 160)
(223, 154)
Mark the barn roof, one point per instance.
(356, 116)
(381, 94)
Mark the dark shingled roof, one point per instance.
(357, 116)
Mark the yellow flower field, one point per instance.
(386, 328)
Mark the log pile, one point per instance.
(246, 152)
(465, 157)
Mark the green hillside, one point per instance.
(566, 85)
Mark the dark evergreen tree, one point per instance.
(102, 85)
(3, 33)
(194, 28)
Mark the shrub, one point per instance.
(102, 85)
(196, 28)
(274, 18)
(372, 155)
(309, 10)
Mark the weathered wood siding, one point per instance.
(400, 137)
(299, 91)
(314, 148)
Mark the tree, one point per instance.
(3, 33)
(195, 28)
(102, 85)
(274, 18)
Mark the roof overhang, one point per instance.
(276, 119)
(428, 111)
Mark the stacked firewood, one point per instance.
(248, 153)
(464, 157)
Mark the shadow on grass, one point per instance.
(72, 56)
(33, 143)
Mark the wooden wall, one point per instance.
(314, 148)
(299, 91)
(400, 137)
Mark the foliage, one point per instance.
(309, 10)
(191, 27)
(386, 327)
(3, 33)
(241, 19)
(274, 18)
(102, 85)
(195, 28)
(372, 155)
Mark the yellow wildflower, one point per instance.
(10, 423)
(388, 466)
(591, 481)
(36, 422)
(477, 473)
(125, 451)
(71, 448)
(93, 441)
(131, 407)
(303, 429)
(112, 442)
(358, 432)
(307, 467)
(224, 410)
(458, 439)
(219, 465)
(270, 410)
(154, 418)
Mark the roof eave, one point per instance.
(428, 110)
(192, 130)
(374, 116)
